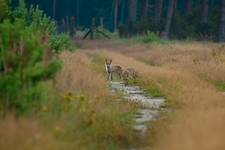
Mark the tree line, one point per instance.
(180, 19)
(204, 19)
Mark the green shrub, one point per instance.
(40, 21)
(3, 9)
(220, 85)
(151, 37)
(22, 65)
(34, 17)
(61, 42)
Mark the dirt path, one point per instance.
(149, 109)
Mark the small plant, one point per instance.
(61, 42)
(151, 88)
(151, 37)
(220, 85)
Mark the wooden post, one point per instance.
(94, 29)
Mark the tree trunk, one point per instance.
(158, 11)
(115, 6)
(78, 12)
(102, 23)
(222, 23)
(205, 11)
(165, 33)
(54, 8)
(144, 9)
(188, 6)
(132, 10)
(122, 11)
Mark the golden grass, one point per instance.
(91, 117)
(76, 76)
(26, 134)
(82, 114)
(180, 71)
(100, 119)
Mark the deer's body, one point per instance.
(110, 69)
(132, 73)
(125, 76)
(129, 73)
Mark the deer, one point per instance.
(111, 69)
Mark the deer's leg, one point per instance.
(108, 75)
(111, 76)
(120, 74)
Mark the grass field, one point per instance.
(81, 112)
(191, 76)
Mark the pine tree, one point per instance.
(222, 23)
(132, 10)
(115, 6)
(144, 9)
(205, 11)
(166, 32)
(158, 10)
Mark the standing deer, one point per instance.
(110, 69)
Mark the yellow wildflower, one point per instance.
(57, 129)
(45, 109)
(83, 109)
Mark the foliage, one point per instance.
(26, 88)
(151, 37)
(61, 42)
(34, 17)
(21, 58)
(184, 25)
(220, 85)
(3, 8)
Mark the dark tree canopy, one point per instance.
(189, 18)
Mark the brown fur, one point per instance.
(132, 73)
(110, 69)
(125, 77)
(117, 69)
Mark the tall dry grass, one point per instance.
(203, 58)
(198, 120)
(100, 119)
(26, 134)
(77, 76)
(81, 114)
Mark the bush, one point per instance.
(61, 42)
(151, 37)
(3, 9)
(34, 17)
(22, 65)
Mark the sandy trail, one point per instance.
(150, 107)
